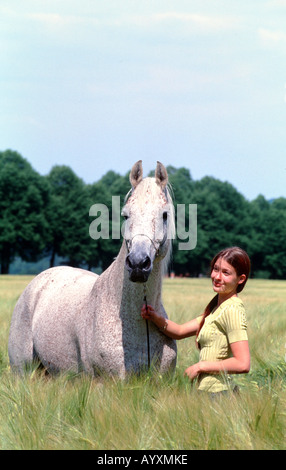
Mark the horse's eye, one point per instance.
(124, 215)
(165, 216)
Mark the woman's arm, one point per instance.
(168, 327)
(238, 364)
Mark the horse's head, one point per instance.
(149, 221)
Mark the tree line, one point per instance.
(48, 217)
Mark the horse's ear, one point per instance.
(161, 175)
(136, 174)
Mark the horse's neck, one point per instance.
(133, 293)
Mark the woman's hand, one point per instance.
(193, 371)
(149, 313)
(168, 327)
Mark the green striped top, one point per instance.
(225, 325)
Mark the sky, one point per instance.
(99, 84)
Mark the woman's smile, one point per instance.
(217, 284)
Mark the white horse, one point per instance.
(69, 319)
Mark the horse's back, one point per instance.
(46, 317)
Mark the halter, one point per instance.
(147, 326)
(157, 248)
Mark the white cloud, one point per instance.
(270, 37)
(205, 23)
(202, 23)
(53, 19)
(277, 3)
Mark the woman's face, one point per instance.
(224, 278)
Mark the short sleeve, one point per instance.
(233, 321)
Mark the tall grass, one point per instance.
(153, 412)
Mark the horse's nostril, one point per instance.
(146, 264)
(134, 263)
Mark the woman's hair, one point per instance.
(240, 261)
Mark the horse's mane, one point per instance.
(171, 228)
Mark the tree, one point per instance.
(274, 259)
(111, 185)
(68, 217)
(182, 187)
(24, 197)
(220, 221)
(99, 254)
(50, 215)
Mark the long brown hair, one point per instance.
(239, 260)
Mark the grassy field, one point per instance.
(154, 412)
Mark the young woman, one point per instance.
(221, 330)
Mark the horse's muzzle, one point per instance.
(138, 268)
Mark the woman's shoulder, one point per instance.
(232, 305)
(232, 313)
(233, 302)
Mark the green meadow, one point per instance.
(151, 412)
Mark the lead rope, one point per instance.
(147, 326)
